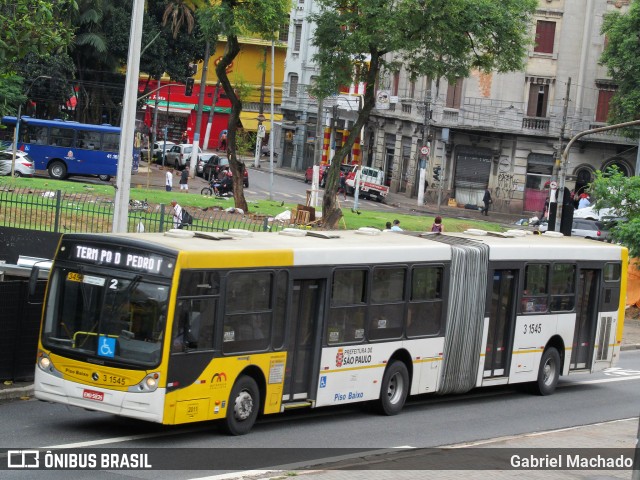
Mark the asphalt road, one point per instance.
(427, 421)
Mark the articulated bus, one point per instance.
(188, 326)
(66, 148)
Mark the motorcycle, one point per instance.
(221, 188)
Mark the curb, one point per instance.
(16, 393)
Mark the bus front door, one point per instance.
(501, 321)
(586, 320)
(304, 343)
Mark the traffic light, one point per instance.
(189, 87)
(436, 173)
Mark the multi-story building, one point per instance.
(496, 131)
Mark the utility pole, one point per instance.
(196, 136)
(554, 196)
(207, 133)
(317, 154)
(260, 131)
(425, 149)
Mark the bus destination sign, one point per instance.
(118, 256)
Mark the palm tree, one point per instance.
(181, 13)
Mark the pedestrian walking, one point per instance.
(223, 141)
(168, 183)
(343, 187)
(487, 201)
(184, 180)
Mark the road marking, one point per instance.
(602, 380)
(128, 438)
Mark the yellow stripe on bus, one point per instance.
(236, 258)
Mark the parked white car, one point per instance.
(156, 150)
(591, 214)
(24, 164)
(180, 155)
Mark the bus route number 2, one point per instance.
(532, 328)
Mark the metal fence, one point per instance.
(55, 211)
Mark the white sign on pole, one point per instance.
(262, 131)
(424, 150)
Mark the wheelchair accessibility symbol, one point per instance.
(106, 346)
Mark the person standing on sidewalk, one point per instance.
(487, 201)
(184, 180)
(168, 183)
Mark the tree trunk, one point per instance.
(331, 214)
(237, 167)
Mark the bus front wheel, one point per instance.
(548, 373)
(243, 406)
(395, 388)
(58, 170)
(104, 178)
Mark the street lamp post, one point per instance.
(17, 129)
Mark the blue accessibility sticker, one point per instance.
(106, 346)
(323, 381)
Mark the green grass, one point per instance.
(352, 220)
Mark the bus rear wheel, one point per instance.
(243, 406)
(58, 170)
(395, 388)
(548, 373)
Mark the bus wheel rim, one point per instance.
(243, 405)
(396, 386)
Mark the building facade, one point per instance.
(495, 131)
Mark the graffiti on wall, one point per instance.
(507, 184)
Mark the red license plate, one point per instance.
(93, 395)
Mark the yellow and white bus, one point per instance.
(187, 326)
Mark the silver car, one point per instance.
(593, 229)
(24, 164)
(180, 155)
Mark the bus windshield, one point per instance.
(118, 319)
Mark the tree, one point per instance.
(233, 18)
(431, 37)
(29, 27)
(621, 56)
(612, 189)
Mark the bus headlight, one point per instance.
(148, 384)
(44, 362)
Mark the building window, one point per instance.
(454, 94)
(412, 89)
(396, 84)
(298, 37)
(604, 100)
(293, 85)
(538, 98)
(283, 34)
(545, 36)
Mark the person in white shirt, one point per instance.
(169, 180)
(177, 214)
(396, 226)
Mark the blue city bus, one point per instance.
(65, 148)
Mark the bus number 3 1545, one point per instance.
(532, 328)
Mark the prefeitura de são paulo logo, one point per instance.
(339, 357)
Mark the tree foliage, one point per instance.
(437, 38)
(622, 59)
(612, 189)
(233, 18)
(27, 28)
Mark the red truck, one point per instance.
(372, 183)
